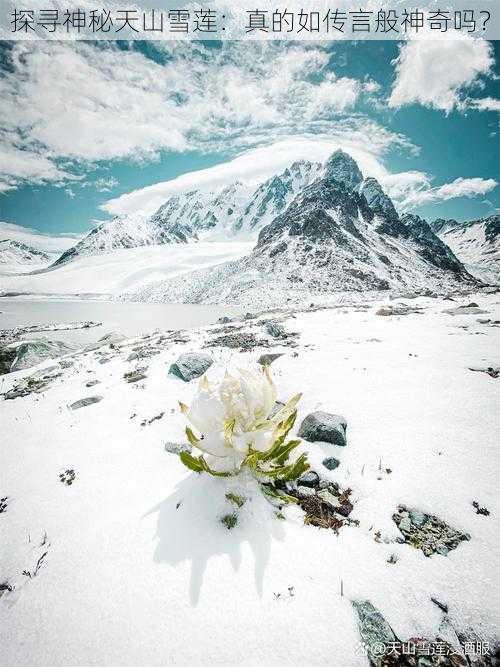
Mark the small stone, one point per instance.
(331, 463)
(275, 329)
(191, 365)
(418, 518)
(329, 499)
(324, 427)
(135, 376)
(92, 383)
(305, 491)
(310, 478)
(224, 320)
(405, 525)
(83, 402)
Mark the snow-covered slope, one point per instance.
(339, 233)
(134, 565)
(476, 243)
(17, 254)
(120, 233)
(120, 270)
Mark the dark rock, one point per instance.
(310, 478)
(427, 532)
(136, 375)
(26, 353)
(275, 329)
(374, 630)
(245, 341)
(324, 427)
(224, 320)
(331, 463)
(191, 365)
(83, 402)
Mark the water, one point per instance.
(129, 319)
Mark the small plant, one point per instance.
(237, 500)
(237, 431)
(229, 520)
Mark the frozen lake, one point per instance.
(130, 319)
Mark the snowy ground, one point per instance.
(138, 569)
(123, 270)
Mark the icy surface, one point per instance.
(138, 568)
(125, 269)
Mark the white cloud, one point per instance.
(409, 189)
(51, 243)
(484, 104)
(366, 142)
(85, 102)
(435, 73)
(420, 193)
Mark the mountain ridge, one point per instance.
(329, 238)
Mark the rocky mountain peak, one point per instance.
(380, 203)
(342, 168)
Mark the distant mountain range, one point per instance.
(235, 211)
(339, 232)
(476, 243)
(322, 227)
(16, 253)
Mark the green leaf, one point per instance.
(211, 471)
(191, 462)
(298, 468)
(274, 494)
(228, 431)
(286, 450)
(193, 440)
(286, 409)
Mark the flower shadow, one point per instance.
(189, 526)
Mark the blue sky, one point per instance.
(83, 124)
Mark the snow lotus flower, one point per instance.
(232, 418)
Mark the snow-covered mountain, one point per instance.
(341, 232)
(272, 197)
(16, 253)
(122, 232)
(235, 211)
(476, 243)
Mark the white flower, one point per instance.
(232, 416)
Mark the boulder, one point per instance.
(374, 631)
(191, 365)
(324, 427)
(26, 353)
